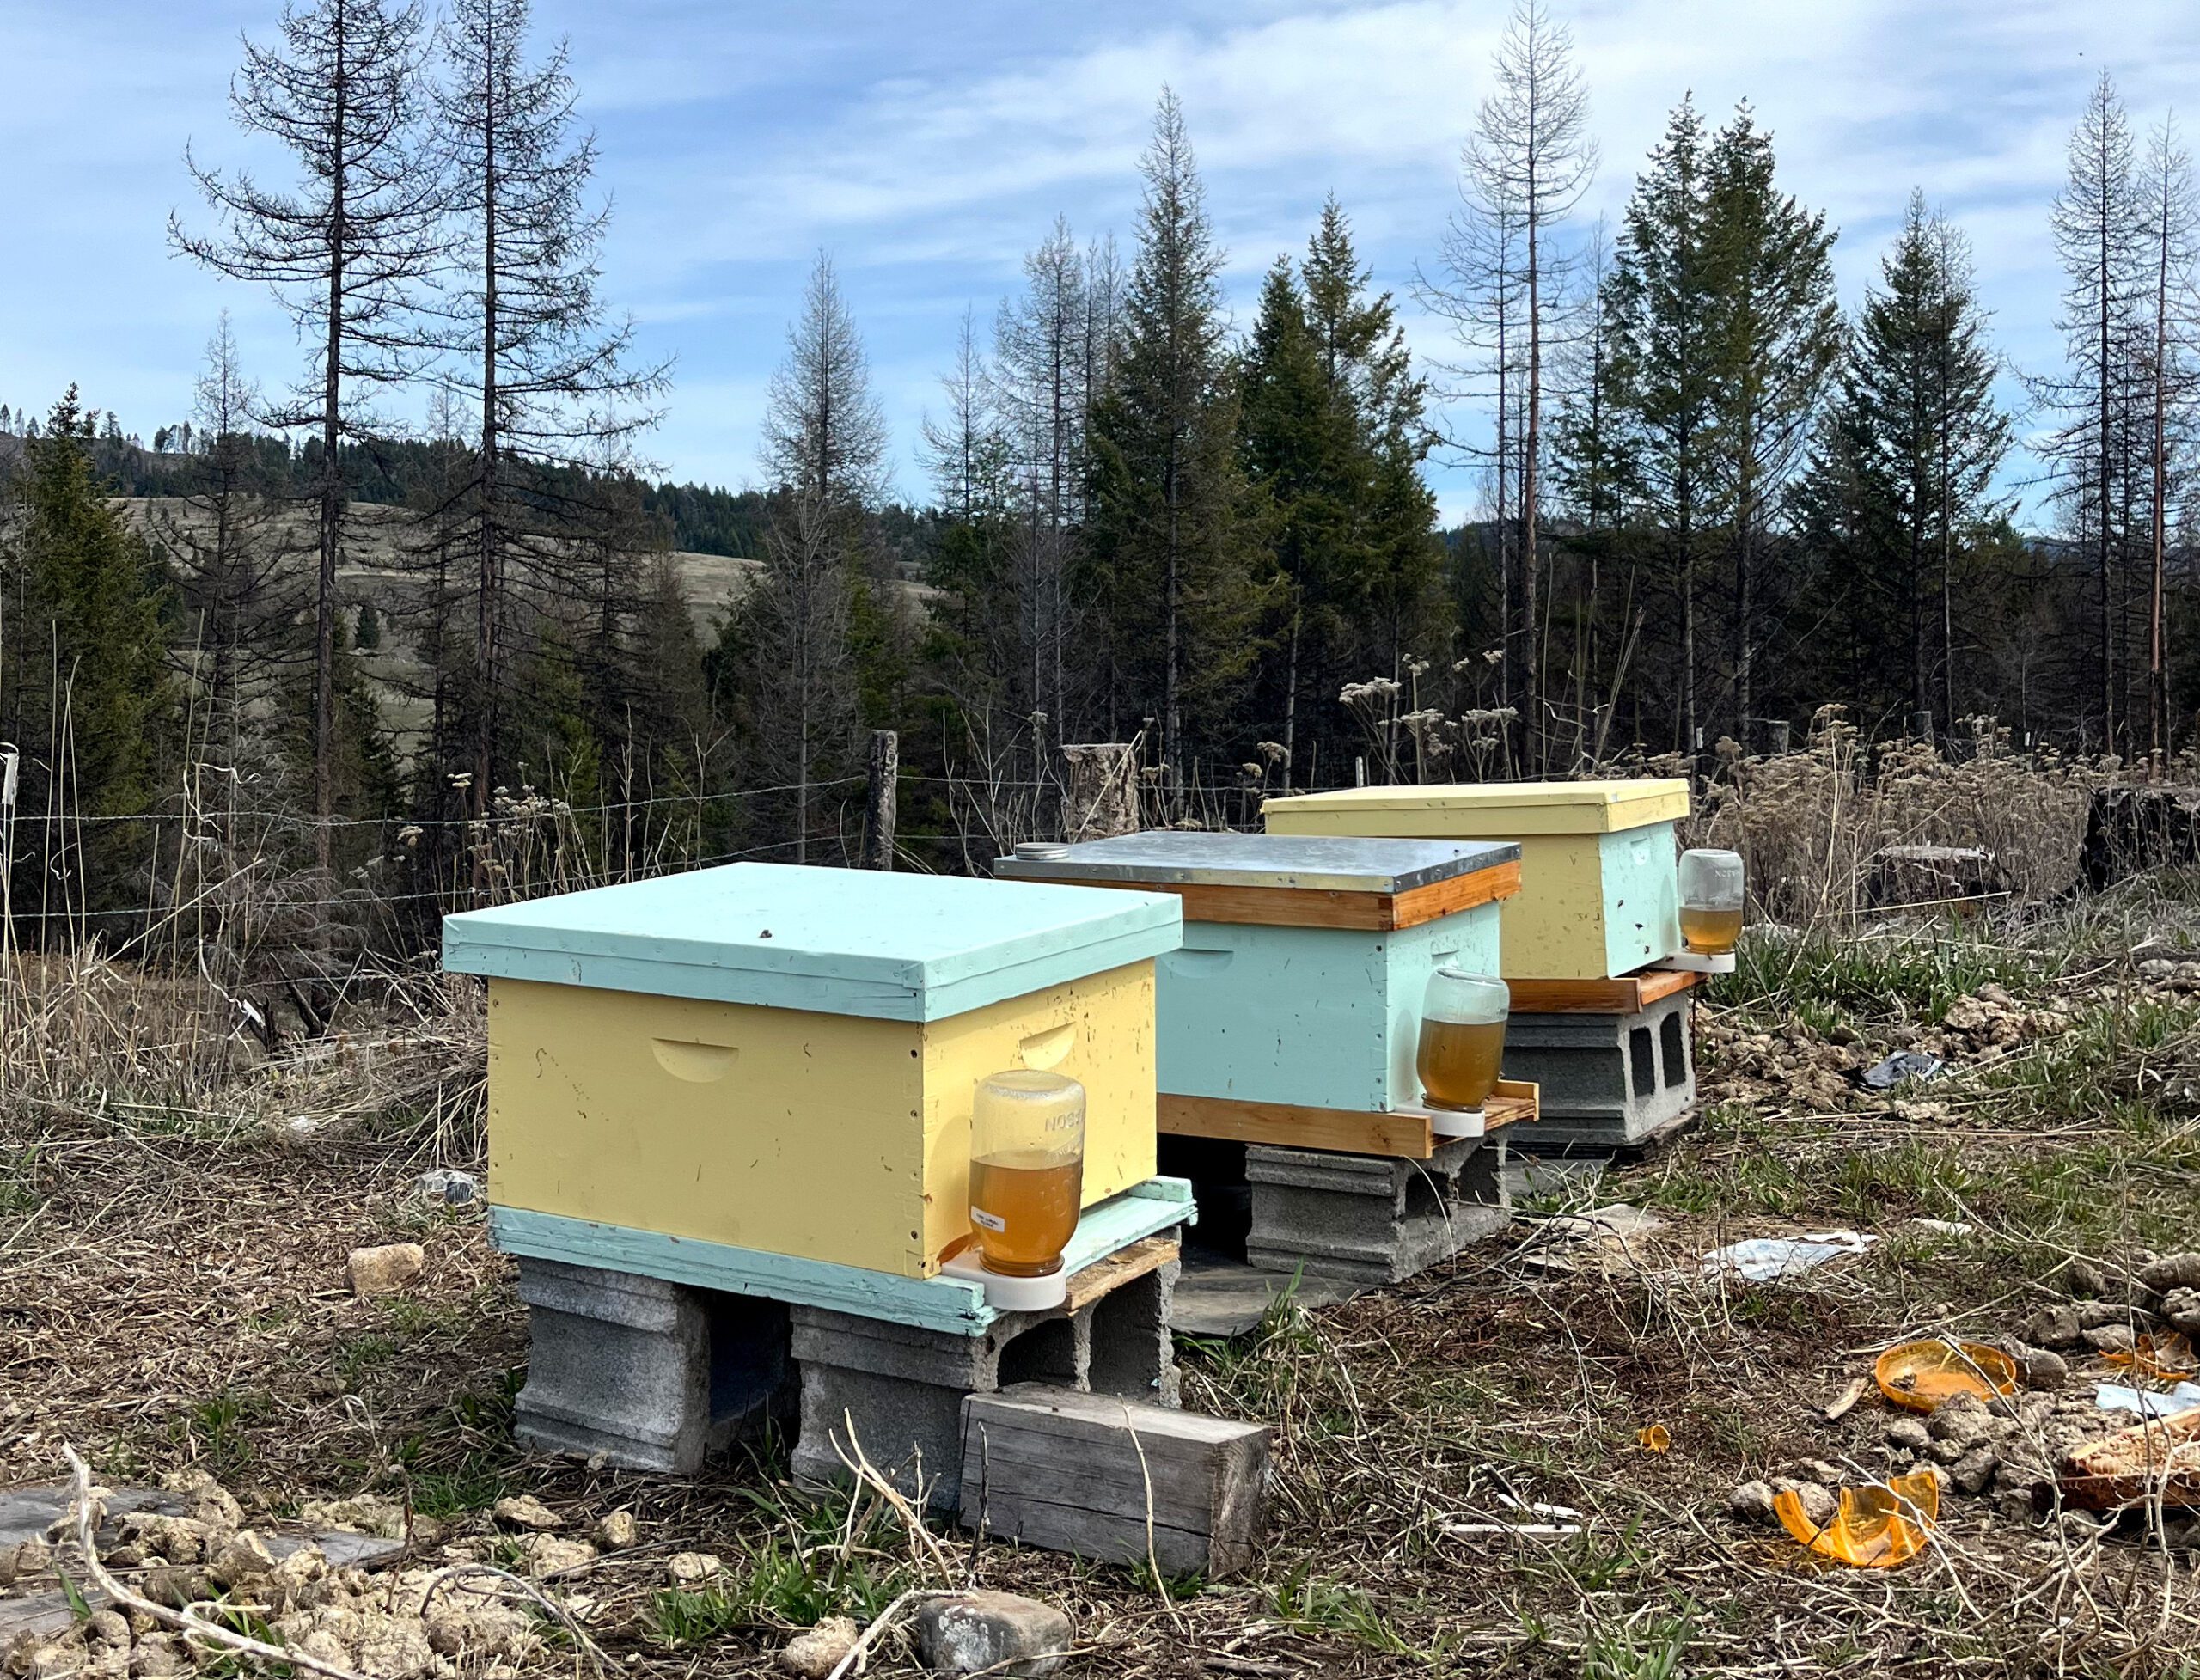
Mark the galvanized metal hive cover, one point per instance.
(1315, 863)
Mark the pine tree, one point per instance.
(1591, 479)
(825, 451)
(1662, 324)
(85, 692)
(1041, 366)
(1900, 485)
(1776, 333)
(345, 253)
(237, 570)
(824, 432)
(1168, 555)
(366, 788)
(973, 644)
(1332, 436)
(1294, 448)
(797, 624)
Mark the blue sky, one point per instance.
(927, 146)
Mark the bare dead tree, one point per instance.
(824, 432)
(2099, 226)
(2175, 230)
(798, 617)
(1041, 367)
(338, 89)
(1526, 164)
(230, 550)
(529, 344)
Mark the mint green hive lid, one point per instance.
(844, 941)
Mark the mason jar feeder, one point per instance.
(1711, 887)
(1461, 1047)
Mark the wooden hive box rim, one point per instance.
(849, 941)
(1470, 809)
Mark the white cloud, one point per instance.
(928, 147)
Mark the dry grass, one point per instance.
(175, 1206)
(1808, 822)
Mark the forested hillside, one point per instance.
(1715, 498)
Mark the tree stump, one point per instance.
(2129, 830)
(1100, 797)
(1908, 875)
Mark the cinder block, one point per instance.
(1371, 1218)
(1130, 1350)
(1607, 1081)
(652, 1375)
(900, 1390)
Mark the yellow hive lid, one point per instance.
(1481, 810)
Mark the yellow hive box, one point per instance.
(783, 1060)
(1598, 897)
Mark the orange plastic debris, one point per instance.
(2170, 1358)
(1879, 1526)
(1918, 1375)
(1654, 1438)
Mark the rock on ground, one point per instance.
(687, 1568)
(524, 1510)
(616, 1530)
(2111, 1338)
(1821, 1504)
(158, 1656)
(1752, 1501)
(393, 1648)
(815, 1654)
(1908, 1434)
(379, 1271)
(243, 1558)
(2055, 1326)
(369, 1513)
(2181, 1310)
(991, 1633)
(2043, 1368)
(547, 1554)
(2172, 1271)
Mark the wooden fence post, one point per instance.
(878, 804)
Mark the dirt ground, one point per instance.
(172, 1295)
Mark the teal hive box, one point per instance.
(1295, 1001)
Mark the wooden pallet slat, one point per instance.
(1626, 994)
(1405, 1134)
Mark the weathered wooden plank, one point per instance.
(1407, 1135)
(1119, 1268)
(1627, 995)
(1404, 1134)
(1114, 1480)
(1462, 892)
(1512, 1101)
